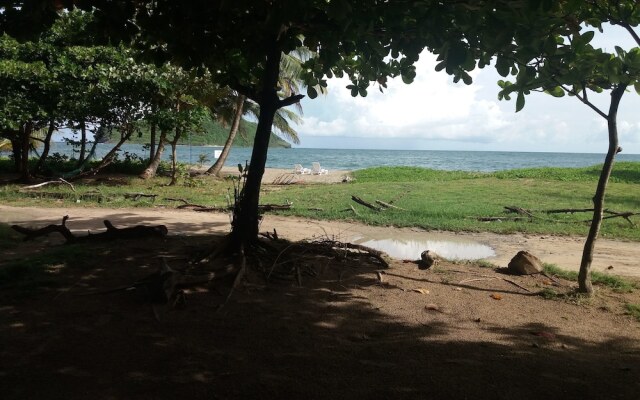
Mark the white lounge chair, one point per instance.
(317, 170)
(300, 170)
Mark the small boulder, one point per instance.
(427, 259)
(525, 263)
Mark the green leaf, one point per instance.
(637, 87)
(587, 36)
(503, 67)
(520, 101)
(556, 92)
(312, 92)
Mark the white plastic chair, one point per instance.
(300, 170)
(317, 170)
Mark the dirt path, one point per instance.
(565, 252)
(343, 329)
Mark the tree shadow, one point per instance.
(334, 337)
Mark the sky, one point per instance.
(433, 113)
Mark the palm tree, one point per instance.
(291, 70)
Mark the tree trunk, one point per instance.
(584, 276)
(106, 160)
(83, 142)
(16, 151)
(152, 143)
(156, 158)
(47, 146)
(25, 147)
(217, 166)
(246, 218)
(174, 158)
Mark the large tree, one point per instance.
(554, 54)
(242, 43)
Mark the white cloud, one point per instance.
(434, 109)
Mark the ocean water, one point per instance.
(349, 159)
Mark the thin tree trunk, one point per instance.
(47, 146)
(156, 158)
(25, 147)
(217, 166)
(106, 160)
(584, 276)
(174, 158)
(152, 142)
(16, 151)
(83, 142)
(246, 218)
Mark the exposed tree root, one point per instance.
(111, 233)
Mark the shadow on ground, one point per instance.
(328, 339)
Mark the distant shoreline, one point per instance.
(351, 160)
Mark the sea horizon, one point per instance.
(354, 159)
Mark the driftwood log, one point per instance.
(365, 203)
(389, 205)
(39, 185)
(111, 233)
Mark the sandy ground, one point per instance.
(565, 252)
(344, 329)
(272, 175)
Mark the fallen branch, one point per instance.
(60, 180)
(516, 284)
(34, 233)
(492, 219)
(519, 210)
(185, 203)
(272, 207)
(366, 204)
(624, 215)
(111, 233)
(387, 205)
(567, 210)
(495, 278)
(137, 196)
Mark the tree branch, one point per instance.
(290, 100)
(631, 32)
(585, 101)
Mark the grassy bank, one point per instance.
(453, 200)
(430, 199)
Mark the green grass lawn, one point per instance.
(430, 199)
(454, 200)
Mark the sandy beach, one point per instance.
(287, 176)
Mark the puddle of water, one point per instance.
(411, 249)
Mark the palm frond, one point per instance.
(281, 124)
(5, 145)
